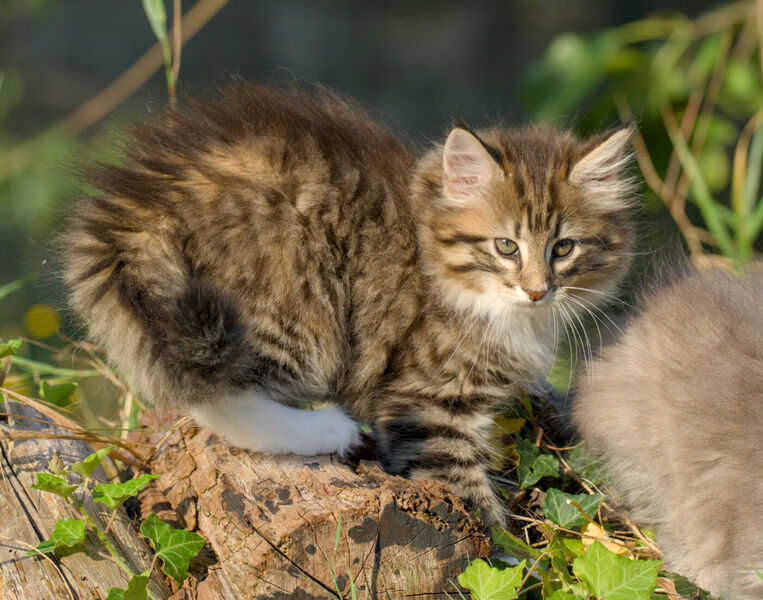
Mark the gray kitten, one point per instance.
(676, 407)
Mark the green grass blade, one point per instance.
(702, 197)
(33, 366)
(16, 285)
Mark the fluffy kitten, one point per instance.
(272, 247)
(676, 407)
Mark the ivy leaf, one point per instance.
(59, 395)
(488, 583)
(562, 595)
(114, 494)
(90, 464)
(54, 485)
(68, 532)
(176, 547)
(533, 465)
(687, 589)
(9, 348)
(566, 515)
(613, 577)
(512, 545)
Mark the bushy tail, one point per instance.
(175, 337)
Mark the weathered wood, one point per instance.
(29, 516)
(272, 523)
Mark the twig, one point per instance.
(655, 183)
(110, 98)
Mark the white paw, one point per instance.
(263, 425)
(340, 433)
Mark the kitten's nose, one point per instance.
(535, 295)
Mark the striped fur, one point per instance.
(284, 245)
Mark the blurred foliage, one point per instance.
(696, 91)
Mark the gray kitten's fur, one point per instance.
(676, 407)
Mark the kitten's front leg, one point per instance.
(253, 420)
(432, 441)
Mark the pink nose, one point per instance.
(535, 295)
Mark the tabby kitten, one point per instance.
(272, 248)
(676, 407)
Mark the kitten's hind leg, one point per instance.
(253, 420)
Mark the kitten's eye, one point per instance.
(506, 246)
(562, 248)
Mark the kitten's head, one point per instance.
(524, 219)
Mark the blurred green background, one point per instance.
(688, 72)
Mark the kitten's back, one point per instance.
(676, 407)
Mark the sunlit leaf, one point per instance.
(612, 577)
(113, 495)
(53, 484)
(68, 532)
(176, 547)
(88, 465)
(489, 583)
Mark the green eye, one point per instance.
(562, 248)
(506, 247)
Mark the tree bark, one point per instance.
(294, 527)
(29, 516)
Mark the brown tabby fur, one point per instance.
(676, 407)
(285, 242)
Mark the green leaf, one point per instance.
(137, 589)
(90, 464)
(590, 467)
(512, 545)
(53, 484)
(176, 547)
(556, 507)
(488, 583)
(68, 532)
(562, 595)
(60, 395)
(157, 17)
(613, 577)
(116, 594)
(114, 494)
(10, 347)
(533, 465)
(686, 588)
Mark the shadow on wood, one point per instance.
(295, 527)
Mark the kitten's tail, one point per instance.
(203, 336)
(175, 337)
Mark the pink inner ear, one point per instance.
(464, 170)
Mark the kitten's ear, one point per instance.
(599, 171)
(467, 166)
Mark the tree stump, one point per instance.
(29, 516)
(294, 527)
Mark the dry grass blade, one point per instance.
(72, 430)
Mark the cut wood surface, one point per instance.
(294, 527)
(29, 516)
